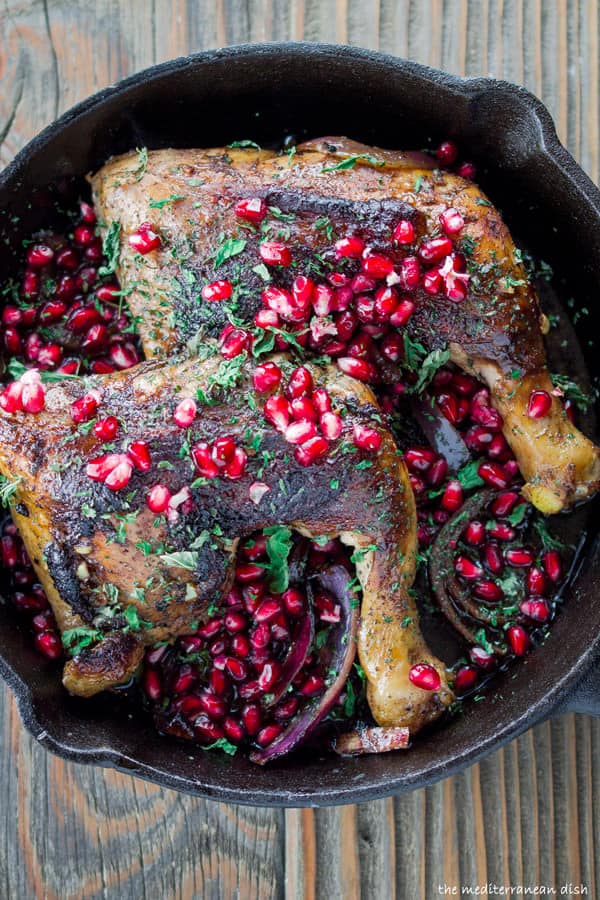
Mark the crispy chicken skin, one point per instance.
(496, 333)
(101, 554)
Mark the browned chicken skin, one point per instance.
(101, 554)
(496, 333)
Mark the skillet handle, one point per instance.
(586, 696)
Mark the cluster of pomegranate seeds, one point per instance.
(222, 683)
(27, 394)
(223, 458)
(26, 594)
(66, 315)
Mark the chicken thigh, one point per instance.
(111, 564)
(204, 214)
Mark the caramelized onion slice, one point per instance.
(295, 658)
(371, 740)
(441, 434)
(336, 580)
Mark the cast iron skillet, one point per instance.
(263, 92)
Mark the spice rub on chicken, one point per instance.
(356, 251)
(132, 525)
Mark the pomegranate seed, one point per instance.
(10, 399)
(158, 498)
(552, 565)
(493, 558)
(247, 572)
(269, 676)
(281, 302)
(206, 730)
(236, 668)
(536, 581)
(404, 232)
(237, 466)
(356, 368)
(268, 734)
(432, 282)
(493, 474)
(451, 221)
(8, 548)
(331, 426)
(477, 439)
(467, 569)
(217, 290)
(39, 255)
(268, 610)
(299, 383)
(474, 533)
(286, 709)
(152, 684)
(302, 291)
(312, 686)
(120, 476)
(511, 469)
(303, 408)
(97, 469)
(447, 153)
(448, 404)
(499, 449)
(253, 209)
(11, 315)
(501, 531)
(410, 273)
(69, 367)
(251, 717)
(124, 356)
(234, 622)
(425, 676)
(486, 416)
(488, 590)
(265, 318)
(85, 408)
(518, 639)
(52, 311)
(481, 657)
(519, 557)
(82, 319)
(44, 621)
(466, 678)
(392, 347)
(139, 454)
(419, 459)
(214, 707)
(185, 412)
(435, 249)
(95, 338)
(294, 602)
(218, 682)
(366, 438)
(256, 548)
(261, 636)
(275, 253)
(467, 170)
(311, 451)
(84, 235)
(48, 643)
(351, 247)
(452, 498)
(67, 258)
(49, 356)
(33, 396)
(504, 503)
(300, 432)
(386, 302)
(266, 377)
(540, 404)
(277, 412)
(145, 239)
(377, 265)
(437, 473)
(234, 344)
(184, 681)
(234, 730)
(535, 608)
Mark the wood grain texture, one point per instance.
(530, 814)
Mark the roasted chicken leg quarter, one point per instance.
(185, 220)
(110, 564)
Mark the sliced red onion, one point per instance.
(371, 740)
(441, 434)
(335, 580)
(296, 657)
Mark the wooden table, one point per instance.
(530, 814)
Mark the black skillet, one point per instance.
(264, 92)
